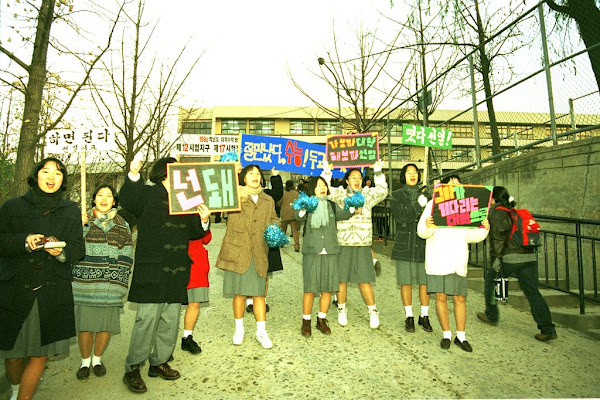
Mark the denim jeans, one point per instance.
(527, 275)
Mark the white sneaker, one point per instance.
(263, 339)
(374, 319)
(342, 317)
(238, 337)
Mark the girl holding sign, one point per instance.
(355, 237)
(446, 259)
(244, 253)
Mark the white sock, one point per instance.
(249, 301)
(86, 362)
(239, 324)
(461, 335)
(187, 333)
(96, 360)
(15, 391)
(374, 261)
(341, 306)
(322, 315)
(424, 311)
(261, 326)
(447, 334)
(306, 317)
(372, 308)
(408, 311)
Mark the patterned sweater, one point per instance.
(358, 230)
(101, 279)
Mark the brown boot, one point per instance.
(134, 381)
(323, 326)
(164, 371)
(306, 331)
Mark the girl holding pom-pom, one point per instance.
(355, 237)
(320, 252)
(244, 252)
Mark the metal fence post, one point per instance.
(548, 76)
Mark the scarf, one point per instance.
(246, 192)
(320, 217)
(47, 201)
(104, 218)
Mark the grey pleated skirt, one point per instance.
(356, 264)
(97, 319)
(198, 295)
(246, 284)
(452, 285)
(320, 273)
(410, 273)
(28, 342)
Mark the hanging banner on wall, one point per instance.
(416, 135)
(353, 151)
(461, 205)
(192, 184)
(63, 141)
(206, 145)
(283, 154)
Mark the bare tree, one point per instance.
(33, 84)
(586, 14)
(135, 101)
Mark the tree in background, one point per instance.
(37, 81)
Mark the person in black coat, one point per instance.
(161, 271)
(36, 298)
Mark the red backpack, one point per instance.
(525, 229)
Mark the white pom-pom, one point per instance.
(511, 199)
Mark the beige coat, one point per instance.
(244, 239)
(287, 212)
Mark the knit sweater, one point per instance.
(358, 230)
(101, 279)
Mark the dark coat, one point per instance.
(499, 237)
(276, 192)
(408, 246)
(21, 271)
(317, 239)
(162, 265)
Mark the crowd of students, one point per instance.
(66, 273)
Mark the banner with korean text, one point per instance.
(206, 145)
(63, 141)
(353, 151)
(416, 135)
(461, 205)
(192, 184)
(284, 154)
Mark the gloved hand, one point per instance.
(497, 265)
(422, 200)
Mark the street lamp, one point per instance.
(337, 88)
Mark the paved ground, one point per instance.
(353, 362)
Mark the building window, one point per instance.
(462, 153)
(461, 130)
(262, 126)
(401, 153)
(233, 126)
(522, 131)
(196, 127)
(395, 128)
(302, 127)
(329, 128)
(439, 155)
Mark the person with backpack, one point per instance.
(514, 258)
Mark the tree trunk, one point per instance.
(587, 16)
(33, 99)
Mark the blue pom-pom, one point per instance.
(275, 237)
(357, 200)
(305, 202)
(230, 156)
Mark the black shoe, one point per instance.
(99, 370)
(424, 321)
(134, 381)
(445, 344)
(250, 308)
(544, 337)
(266, 307)
(188, 344)
(483, 318)
(335, 302)
(164, 371)
(83, 373)
(377, 267)
(463, 345)
(409, 324)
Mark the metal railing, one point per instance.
(567, 258)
